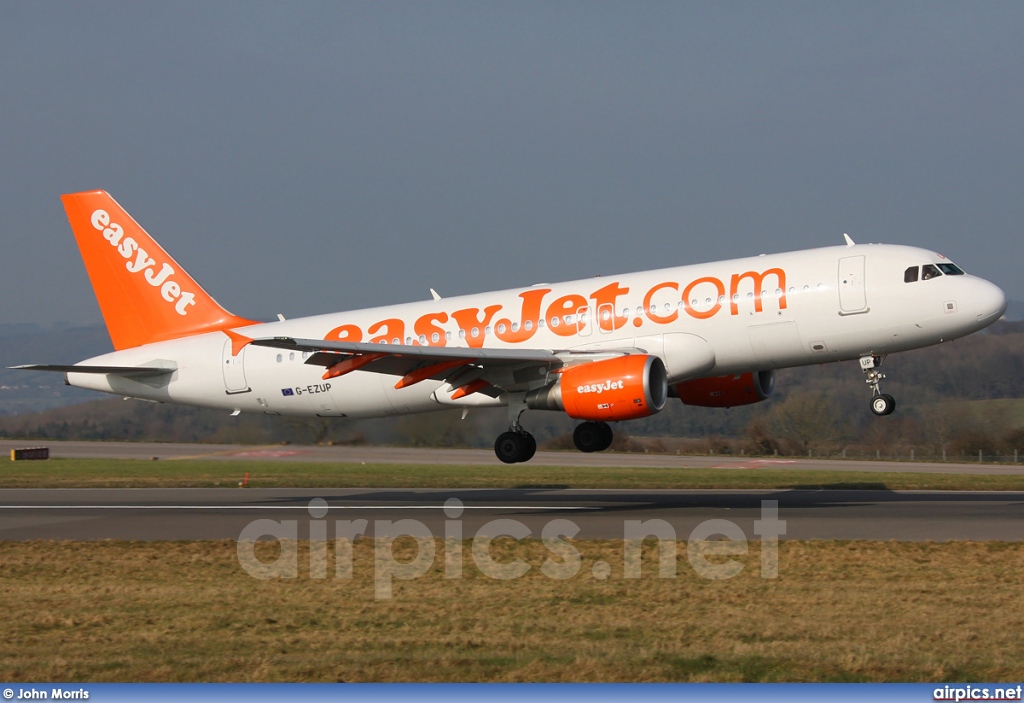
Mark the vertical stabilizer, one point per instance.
(144, 295)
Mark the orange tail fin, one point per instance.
(144, 295)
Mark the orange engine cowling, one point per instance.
(727, 391)
(623, 388)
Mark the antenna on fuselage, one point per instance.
(849, 242)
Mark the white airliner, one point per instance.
(601, 350)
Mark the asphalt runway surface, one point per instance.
(185, 514)
(189, 514)
(482, 457)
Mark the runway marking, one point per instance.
(754, 464)
(292, 507)
(269, 452)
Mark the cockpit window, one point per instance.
(929, 271)
(951, 269)
(910, 275)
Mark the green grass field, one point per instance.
(839, 611)
(68, 473)
(204, 473)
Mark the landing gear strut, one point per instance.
(517, 445)
(881, 403)
(592, 437)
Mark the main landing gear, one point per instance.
(517, 445)
(881, 403)
(592, 436)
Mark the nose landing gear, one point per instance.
(881, 403)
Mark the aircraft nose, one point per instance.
(988, 300)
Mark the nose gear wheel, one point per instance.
(881, 403)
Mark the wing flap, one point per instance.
(502, 369)
(407, 351)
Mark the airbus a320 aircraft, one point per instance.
(601, 350)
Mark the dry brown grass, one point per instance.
(861, 611)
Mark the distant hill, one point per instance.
(1015, 311)
(25, 391)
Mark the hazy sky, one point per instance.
(310, 157)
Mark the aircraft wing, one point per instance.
(409, 351)
(468, 370)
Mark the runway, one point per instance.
(189, 514)
(481, 457)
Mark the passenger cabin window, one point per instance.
(951, 269)
(910, 275)
(929, 271)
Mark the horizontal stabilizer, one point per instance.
(135, 371)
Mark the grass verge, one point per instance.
(205, 473)
(839, 611)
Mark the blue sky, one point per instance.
(310, 157)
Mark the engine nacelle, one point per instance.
(623, 388)
(727, 391)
